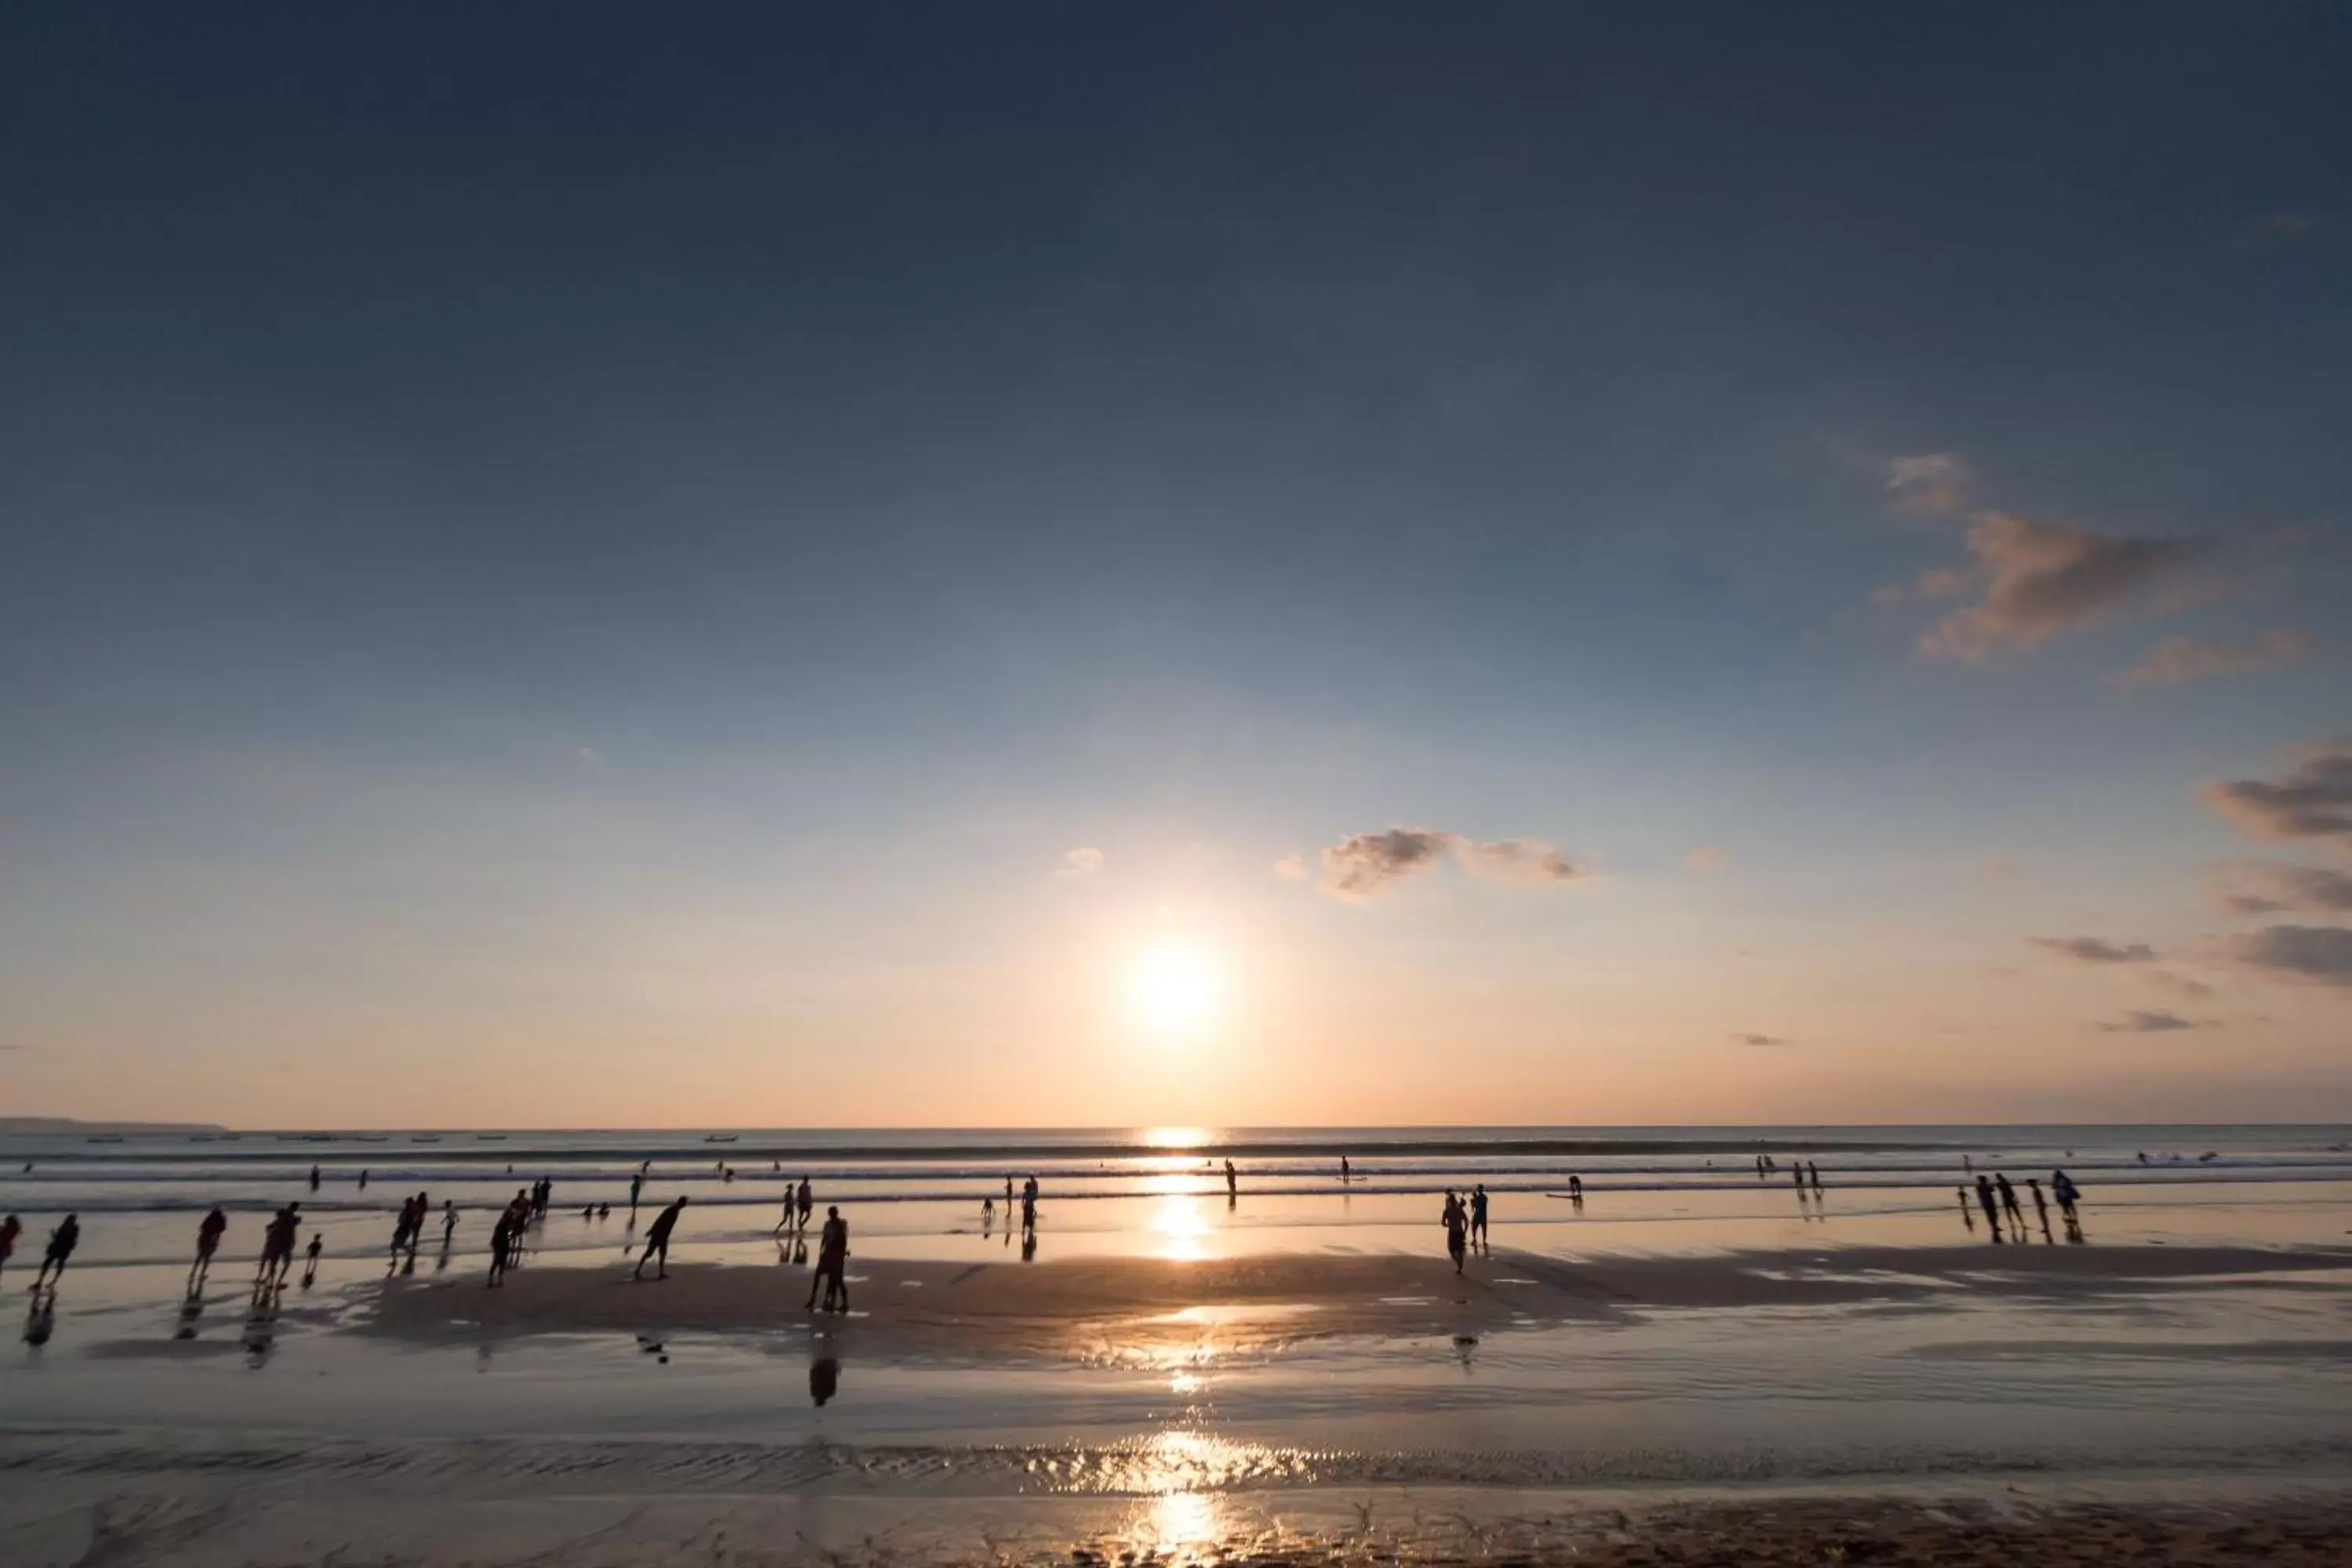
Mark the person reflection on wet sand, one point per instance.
(2041, 1205)
(1967, 1210)
(824, 1379)
(310, 1266)
(41, 1318)
(1028, 1245)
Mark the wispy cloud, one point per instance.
(1927, 482)
(1367, 864)
(2179, 985)
(2312, 802)
(2139, 1022)
(1084, 862)
(1707, 858)
(2267, 886)
(2278, 228)
(1527, 860)
(2320, 955)
(1291, 867)
(2036, 581)
(2178, 659)
(2093, 950)
(1749, 1039)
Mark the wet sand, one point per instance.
(1074, 1308)
(2011, 1527)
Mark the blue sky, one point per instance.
(571, 536)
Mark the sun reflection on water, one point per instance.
(1180, 1225)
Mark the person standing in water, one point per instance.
(657, 1241)
(1343, 1170)
(1478, 1216)
(314, 1178)
(636, 1185)
(501, 1247)
(208, 1240)
(807, 1195)
(1232, 1185)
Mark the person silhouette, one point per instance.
(2041, 1206)
(1968, 1209)
(10, 1229)
(310, 1267)
(208, 1240)
(2009, 1201)
(62, 1242)
(1232, 1185)
(1478, 1216)
(1989, 1203)
(832, 1264)
(657, 1241)
(807, 1195)
(1457, 1231)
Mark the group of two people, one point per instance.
(62, 1242)
(1465, 1222)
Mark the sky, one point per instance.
(946, 565)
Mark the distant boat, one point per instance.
(491, 1137)
(103, 1138)
(723, 1138)
(424, 1138)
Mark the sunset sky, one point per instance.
(1061, 565)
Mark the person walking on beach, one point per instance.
(406, 1227)
(363, 1176)
(208, 1239)
(636, 1185)
(10, 1229)
(832, 1262)
(448, 1222)
(501, 1247)
(310, 1268)
(807, 1195)
(1814, 1172)
(657, 1241)
(792, 1211)
(2009, 1201)
(1344, 1173)
(1457, 1231)
(1478, 1216)
(1989, 1203)
(62, 1242)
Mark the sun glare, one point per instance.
(1176, 990)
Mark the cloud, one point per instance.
(2321, 955)
(1084, 862)
(1367, 864)
(2139, 1022)
(2179, 985)
(2266, 887)
(2039, 580)
(1525, 861)
(1707, 858)
(2314, 800)
(2179, 659)
(1291, 867)
(2093, 950)
(1746, 1040)
(1929, 482)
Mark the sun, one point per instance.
(1176, 990)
